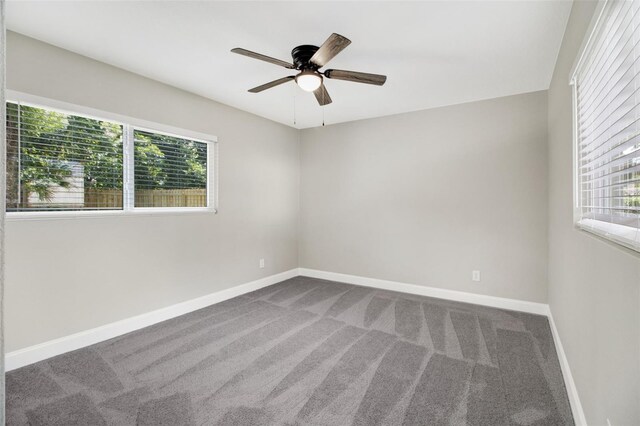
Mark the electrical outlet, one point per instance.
(261, 263)
(475, 275)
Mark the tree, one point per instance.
(168, 162)
(43, 145)
(632, 194)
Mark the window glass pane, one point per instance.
(169, 171)
(58, 161)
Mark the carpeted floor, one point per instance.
(307, 352)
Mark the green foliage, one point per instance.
(40, 176)
(632, 197)
(167, 162)
(51, 142)
(632, 201)
(148, 163)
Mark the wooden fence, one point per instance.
(189, 197)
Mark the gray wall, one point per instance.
(594, 286)
(66, 276)
(427, 197)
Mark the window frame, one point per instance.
(622, 235)
(129, 124)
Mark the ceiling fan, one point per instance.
(308, 60)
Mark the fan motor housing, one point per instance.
(301, 56)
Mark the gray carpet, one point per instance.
(307, 352)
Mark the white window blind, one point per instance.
(607, 125)
(58, 161)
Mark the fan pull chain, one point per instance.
(294, 108)
(323, 105)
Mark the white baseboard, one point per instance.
(39, 352)
(440, 293)
(574, 399)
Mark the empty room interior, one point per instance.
(320, 212)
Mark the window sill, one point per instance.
(97, 214)
(619, 234)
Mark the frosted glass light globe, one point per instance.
(309, 80)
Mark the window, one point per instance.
(169, 171)
(60, 162)
(607, 126)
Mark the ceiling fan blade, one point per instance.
(330, 48)
(271, 84)
(322, 96)
(358, 77)
(262, 57)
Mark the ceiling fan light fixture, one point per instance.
(309, 80)
(308, 59)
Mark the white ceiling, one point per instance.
(434, 53)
